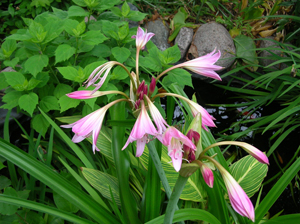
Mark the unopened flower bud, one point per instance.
(152, 85)
(145, 89)
(140, 88)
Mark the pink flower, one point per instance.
(256, 153)
(159, 121)
(204, 65)
(207, 119)
(207, 175)
(237, 196)
(84, 94)
(174, 139)
(87, 126)
(142, 38)
(142, 127)
(93, 78)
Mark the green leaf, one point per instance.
(136, 16)
(80, 28)
(69, 72)
(7, 209)
(77, 11)
(119, 73)
(171, 55)
(38, 3)
(8, 47)
(11, 99)
(249, 173)
(103, 182)
(49, 103)
(245, 49)
(3, 83)
(125, 9)
(179, 76)
(33, 83)
(93, 37)
(14, 79)
(43, 77)
(116, 11)
(56, 182)
(66, 103)
(37, 32)
(62, 204)
(62, 89)
(120, 53)
(36, 63)
(64, 52)
(40, 124)
(28, 102)
(151, 63)
(4, 182)
(123, 31)
(12, 63)
(110, 29)
(101, 50)
(70, 25)
(81, 3)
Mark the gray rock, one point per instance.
(265, 55)
(92, 18)
(132, 8)
(8, 69)
(161, 34)
(213, 35)
(184, 39)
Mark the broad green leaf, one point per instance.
(151, 63)
(70, 25)
(103, 182)
(43, 77)
(37, 32)
(120, 53)
(171, 55)
(77, 11)
(62, 89)
(21, 34)
(106, 4)
(12, 63)
(116, 11)
(125, 9)
(62, 204)
(179, 76)
(80, 28)
(69, 72)
(38, 3)
(11, 99)
(81, 3)
(28, 102)
(64, 52)
(110, 29)
(8, 47)
(245, 49)
(93, 37)
(40, 124)
(3, 83)
(14, 79)
(33, 83)
(136, 16)
(101, 50)
(36, 63)
(49, 103)
(249, 173)
(123, 31)
(7, 209)
(4, 182)
(66, 103)
(119, 73)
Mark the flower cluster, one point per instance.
(180, 147)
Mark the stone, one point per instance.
(264, 60)
(92, 18)
(161, 32)
(184, 40)
(213, 35)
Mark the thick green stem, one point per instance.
(172, 205)
(122, 163)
